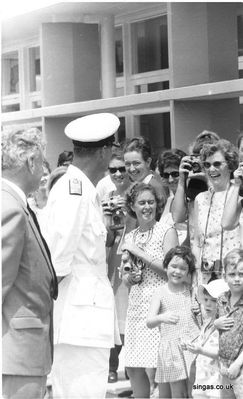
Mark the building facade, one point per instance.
(167, 70)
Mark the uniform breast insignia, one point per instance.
(75, 187)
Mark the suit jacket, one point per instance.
(27, 283)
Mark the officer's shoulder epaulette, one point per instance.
(75, 186)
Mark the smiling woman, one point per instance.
(211, 242)
(138, 158)
(147, 245)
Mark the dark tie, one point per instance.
(54, 292)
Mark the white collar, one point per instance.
(17, 189)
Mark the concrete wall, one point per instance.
(202, 42)
(203, 49)
(70, 63)
(57, 142)
(192, 117)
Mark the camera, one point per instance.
(212, 266)
(117, 214)
(194, 164)
(131, 263)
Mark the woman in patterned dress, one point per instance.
(211, 241)
(147, 246)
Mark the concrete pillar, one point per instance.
(108, 61)
(202, 49)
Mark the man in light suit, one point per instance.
(28, 279)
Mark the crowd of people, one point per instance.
(135, 251)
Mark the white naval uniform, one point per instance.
(84, 310)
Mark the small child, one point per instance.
(230, 325)
(206, 346)
(170, 309)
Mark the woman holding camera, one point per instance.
(143, 252)
(114, 208)
(211, 241)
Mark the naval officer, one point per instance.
(76, 234)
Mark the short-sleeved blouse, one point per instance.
(210, 211)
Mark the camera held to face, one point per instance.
(194, 164)
(117, 214)
(132, 264)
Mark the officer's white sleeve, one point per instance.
(67, 216)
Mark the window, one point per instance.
(156, 127)
(148, 87)
(10, 73)
(149, 45)
(34, 68)
(10, 108)
(119, 51)
(240, 35)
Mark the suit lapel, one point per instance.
(7, 188)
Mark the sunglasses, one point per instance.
(216, 164)
(172, 174)
(122, 169)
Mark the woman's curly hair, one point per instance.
(183, 252)
(134, 191)
(228, 149)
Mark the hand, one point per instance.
(224, 323)
(223, 371)
(196, 308)
(233, 371)
(121, 202)
(238, 175)
(169, 317)
(196, 349)
(134, 277)
(106, 208)
(130, 247)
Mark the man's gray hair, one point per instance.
(18, 145)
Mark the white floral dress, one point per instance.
(210, 211)
(141, 343)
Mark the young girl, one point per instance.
(170, 309)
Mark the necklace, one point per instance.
(141, 238)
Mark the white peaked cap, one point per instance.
(92, 128)
(215, 288)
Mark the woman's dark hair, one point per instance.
(139, 144)
(228, 149)
(182, 252)
(65, 156)
(133, 193)
(117, 155)
(202, 138)
(169, 158)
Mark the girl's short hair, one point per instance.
(233, 258)
(133, 193)
(182, 252)
(141, 145)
